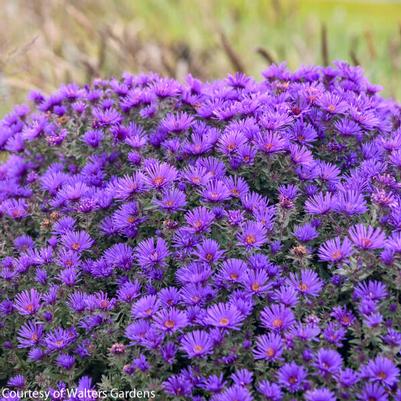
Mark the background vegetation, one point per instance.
(44, 43)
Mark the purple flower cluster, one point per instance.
(227, 241)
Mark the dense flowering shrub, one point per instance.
(233, 240)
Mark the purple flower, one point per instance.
(17, 381)
(373, 392)
(373, 290)
(328, 361)
(224, 316)
(350, 203)
(271, 391)
(209, 251)
(322, 394)
(252, 235)
(232, 270)
(199, 219)
(160, 175)
(216, 191)
(152, 253)
(77, 241)
(107, 117)
(170, 320)
(277, 317)
(269, 347)
(145, 307)
(292, 377)
(93, 138)
(381, 370)
(65, 361)
(307, 282)
(270, 143)
(178, 385)
(172, 200)
(28, 302)
(367, 237)
(30, 334)
(236, 392)
(59, 339)
(305, 233)
(335, 250)
(197, 343)
(321, 203)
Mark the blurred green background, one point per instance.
(44, 43)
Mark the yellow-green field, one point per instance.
(44, 43)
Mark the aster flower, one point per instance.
(59, 339)
(328, 361)
(232, 270)
(77, 241)
(199, 219)
(224, 316)
(277, 317)
(392, 338)
(93, 138)
(307, 283)
(28, 302)
(15, 208)
(286, 295)
(305, 233)
(374, 392)
(332, 103)
(30, 334)
(321, 394)
(270, 143)
(65, 361)
(145, 307)
(120, 256)
(235, 392)
(393, 243)
(334, 334)
(126, 219)
(381, 370)
(231, 141)
(300, 155)
(335, 250)
(256, 281)
(196, 175)
(170, 320)
(107, 117)
(292, 377)
(127, 186)
(215, 191)
(197, 343)
(271, 391)
(194, 273)
(160, 175)
(237, 186)
(252, 235)
(172, 200)
(17, 381)
(169, 296)
(209, 251)
(137, 331)
(367, 237)
(350, 203)
(371, 289)
(319, 204)
(343, 316)
(152, 252)
(178, 386)
(269, 347)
